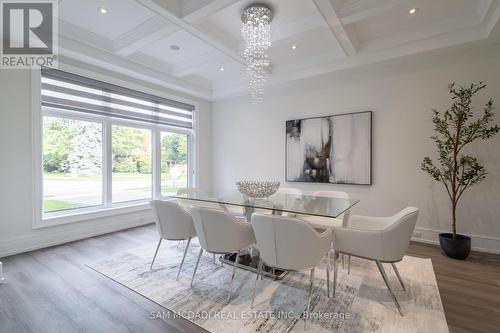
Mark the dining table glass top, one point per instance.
(277, 203)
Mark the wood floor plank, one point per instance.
(52, 290)
(37, 310)
(470, 289)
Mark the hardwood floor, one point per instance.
(51, 290)
(470, 289)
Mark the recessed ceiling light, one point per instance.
(222, 69)
(103, 10)
(413, 11)
(175, 47)
(294, 47)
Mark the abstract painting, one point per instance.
(334, 149)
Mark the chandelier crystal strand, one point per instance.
(256, 34)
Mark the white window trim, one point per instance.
(92, 213)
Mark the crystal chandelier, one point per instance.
(256, 34)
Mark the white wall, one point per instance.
(16, 176)
(249, 140)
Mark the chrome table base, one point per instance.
(249, 261)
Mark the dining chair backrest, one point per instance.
(219, 232)
(189, 204)
(289, 243)
(290, 190)
(173, 222)
(187, 190)
(337, 194)
(396, 237)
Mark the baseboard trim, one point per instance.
(481, 239)
(36, 241)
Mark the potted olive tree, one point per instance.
(456, 128)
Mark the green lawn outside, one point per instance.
(168, 189)
(116, 176)
(50, 205)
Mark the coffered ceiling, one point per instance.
(194, 46)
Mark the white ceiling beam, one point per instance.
(156, 28)
(75, 32)
(193, 65)
(492, 21)
(159, 7)
(143, 35)
(202, 9)
(483, 8)
(357, 10)
(76, 50)
(331, 17)
(282, 34)
(296, 27)
(197, 64)
(152, 62)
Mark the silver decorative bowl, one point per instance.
(258, 189)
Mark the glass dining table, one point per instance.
(292, 204)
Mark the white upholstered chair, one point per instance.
(188, 204)
(220, 233)
(290, 244)
(290, 190)
(234, 211)
(381, 239)
(319, 222)
(291, 194)
(188, 190)
(173, 223)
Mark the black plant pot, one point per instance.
(458, 248)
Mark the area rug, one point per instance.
(361, 304)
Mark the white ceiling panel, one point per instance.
(189, 47)
(233, 71)
(308, 46)
(286, 12)
(398, 19)
(329, 35)
(121, 16)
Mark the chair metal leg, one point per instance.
(256, 279)
(183, 257)
(232, 276)
(2, 279)
(328, 278)
(309, 298)
(399, 276)
(335, 272)
(386, 280)
(156, 252)
(342, 261)
(196, 267)
(348, 264)
(215, 261)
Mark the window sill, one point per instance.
(72, 217)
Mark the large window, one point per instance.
(72, 164)
(132, 168)
(174, 162)
(105, 146)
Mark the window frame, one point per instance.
(107, 209)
